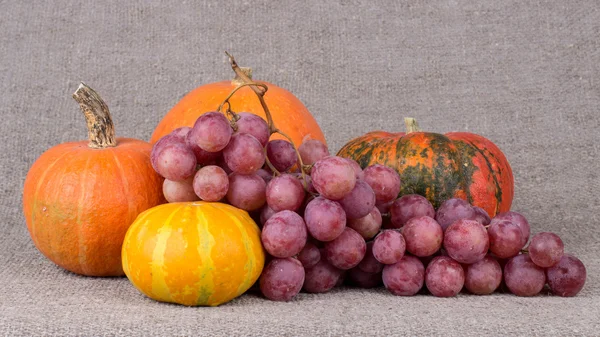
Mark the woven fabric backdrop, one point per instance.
(525, 74)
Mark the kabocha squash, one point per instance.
(193, 253)
(289, 114)
(440, 167)
(79, 198)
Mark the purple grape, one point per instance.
(466, 241)
(312, 150)
(405, 277)
(523, 277)
(385, 182)
(410, 206)
(285, 192)
(253, 125)
(518, 220)
(452, 210)
(546, 249)
(481, 216)
(211, 183)
(281, 154)
(357, 170)
(321, 278)
(389, 246)
(361, 279)
(282, 279)
(181, 132)
(202, 157)
(179, 191)
(211, 132)
(505, 239)
(246, 191)
(325, 219)
(333, 177)
(244, 154)
(384, 208)
(423, 236)
(483, 277)
(265, 175)
(444, 277)
(567, 277)
(284, 234)
(222, 164)
(367, 226)
(369, 263)
(266, 213)
(172, 159)
(359, 202)
(310, 255)
(347, 250)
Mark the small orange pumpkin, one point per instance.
(439, 167)
(289, 114)
(79, 198)
(193, 253)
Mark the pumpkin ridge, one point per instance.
(140, 170)
(159, 285)
(124, 182)
(498, 193)
(207, 243)
(249, 266)
(82, 259)
(467, 169)
(36, 193)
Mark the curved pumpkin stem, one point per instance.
(101, 130)
(238, 80)
(411, 125)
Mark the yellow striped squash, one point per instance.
(193, 253)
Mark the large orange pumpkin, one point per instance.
(79, 198)
(193, 253)
(440, 167)
(289, 114)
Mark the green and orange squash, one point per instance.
(79, 198)
(193, 253)
(440, 166)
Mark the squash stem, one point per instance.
(101, 130)
(411, 125)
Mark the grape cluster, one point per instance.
(459, 247)
(326, 222)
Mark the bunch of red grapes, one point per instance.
(337, 223)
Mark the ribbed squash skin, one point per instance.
(440, 167)
(193, 253)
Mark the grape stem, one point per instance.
(275, 171)
(256, 87)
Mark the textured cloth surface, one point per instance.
(525, 74)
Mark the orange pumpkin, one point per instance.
(439, 167)
(193, 253)
(79, 198)
(289, 114)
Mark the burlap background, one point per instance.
(525, 74)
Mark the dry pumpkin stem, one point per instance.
(243, 76)
(101, 130)
(411, 125)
